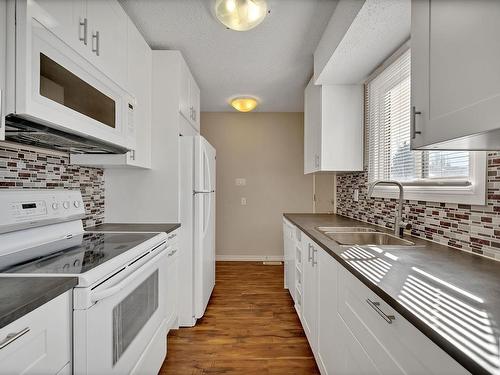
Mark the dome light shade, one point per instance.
(240, 15)
(244, 104)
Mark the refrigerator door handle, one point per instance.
(203, 191)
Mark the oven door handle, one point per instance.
(108, 292)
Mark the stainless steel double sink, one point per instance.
(362, 236)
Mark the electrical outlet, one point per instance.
(243, 201)
(355, 195)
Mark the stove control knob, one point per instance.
(76, 204)
(66, 205)
(55, 206)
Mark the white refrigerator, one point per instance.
(197, 216)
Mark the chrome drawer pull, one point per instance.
(376, 306)
(11, 337)
(172, 253)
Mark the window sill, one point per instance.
(468, 195)
(473, 194)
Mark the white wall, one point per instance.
(149, 196)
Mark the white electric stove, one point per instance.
(119, 312)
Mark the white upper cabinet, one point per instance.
(455, 75)
(189, 105)
(139, 81)
(96, 29)
(333, 128)
(66, 19)
(107, 26)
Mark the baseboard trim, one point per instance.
(249, 258)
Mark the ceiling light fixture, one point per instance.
(244, 104)
(240, 15)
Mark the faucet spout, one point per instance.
(398, 225)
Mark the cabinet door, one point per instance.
(310, 296)
(66, 19)
(185, 99)
(42, 339)
(172, 287)
(286, 250)
(194, 94)
(354, 360)
(329, 345)
(312, 128)
(455, 76)
(139, 84)
(289, 256)
(108, 38)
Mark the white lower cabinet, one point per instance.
(310, 292)
(393, 344)
(353, 331)
(329, 347)
(172, 284)
(40, 341)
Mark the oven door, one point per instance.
(58, 87)
(113, 334)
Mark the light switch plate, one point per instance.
(240, 182)
(243, 201)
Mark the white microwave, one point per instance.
(55, 86)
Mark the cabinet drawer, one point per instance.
(45, 348)
(396, 347)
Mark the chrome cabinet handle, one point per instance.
(132, 154)
(95, 36)
(172, 253)
(376, 306)
(309, 256)
(11, 337)
(84, 24)
(413, 120)
(314, 262)
(172, 236)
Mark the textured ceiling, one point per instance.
(272, 62)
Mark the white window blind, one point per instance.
(388, 127)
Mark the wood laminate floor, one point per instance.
(250, 327)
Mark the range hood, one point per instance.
(20, 130)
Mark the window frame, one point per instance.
(473, 194)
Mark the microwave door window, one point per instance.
(62, 86)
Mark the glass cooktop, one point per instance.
(74, 255)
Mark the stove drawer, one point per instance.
(43, 343)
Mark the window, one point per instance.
(444, 176)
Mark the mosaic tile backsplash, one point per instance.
(467, 227)
(23, 168)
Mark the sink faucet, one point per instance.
(399, 225)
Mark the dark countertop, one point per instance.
(460, 307)
(118, 227)
(21, 295)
